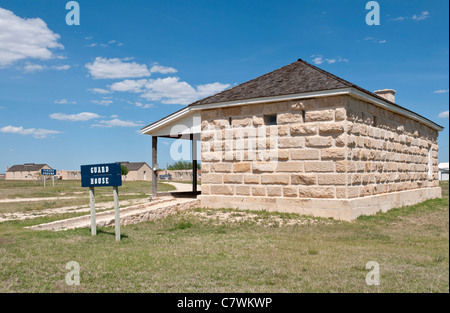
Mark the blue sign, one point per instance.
(100, 169)
(101, 175)
(101, 181)
(46, 171)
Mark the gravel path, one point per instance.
(78, 208)
(35, 199)
(183, 186)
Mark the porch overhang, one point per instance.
(190, 116)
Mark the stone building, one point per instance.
(177, 175)
(27, 171)
(137, 171)
(68, 175)
(300, 139)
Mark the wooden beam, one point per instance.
(194, 163)
(154, 163)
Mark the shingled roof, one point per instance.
(299, 77)
(26, 167)
(133, 166)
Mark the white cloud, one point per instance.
(129, 85)
(99, 91)
(399, 19)
(441, 91)
(423, 16)
(65, 101)
(444, 114)
(23, 38)
(319, 59)
(114, 116)
(35, 132)
(115, 68)
(117, 123)
(375, 40)
(170, 90)
(89, 38)
(61, 67)
(144, 106)
(84, 116)
(111, 42)
(162, 69)
(29, 67)
(102, 102)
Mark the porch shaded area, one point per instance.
(184, 126)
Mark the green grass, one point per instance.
(29, 189)
(10, 189)
(196, 252)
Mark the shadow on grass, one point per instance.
(101, 232)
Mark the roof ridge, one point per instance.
(290, 67)
(226, 90)
(341, 80)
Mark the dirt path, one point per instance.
(130, 214)
(183, 186)
(76, 209)
(35, 199)
(54, 198)
(69, 209)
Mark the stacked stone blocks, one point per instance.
(330, 147)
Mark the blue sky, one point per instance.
(72, 95)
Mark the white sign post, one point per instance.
(45, 172)
(102, 175)
(92, 201)
(116, 212)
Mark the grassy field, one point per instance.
(10, 189)
(70, 192)
(201, 251)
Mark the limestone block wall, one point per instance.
(297, 158)
(387, 152)
(329, 147)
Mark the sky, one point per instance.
(79, 94)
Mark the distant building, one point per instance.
(177, 175)
(137, 171)
(68, 175)
(2, 176)
(443, 171)
(27, 171)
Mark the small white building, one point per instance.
(443, 171)
(27, 171)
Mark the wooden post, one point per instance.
(154, 164)
(194, 163)
(93, 223)
(116, 212)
